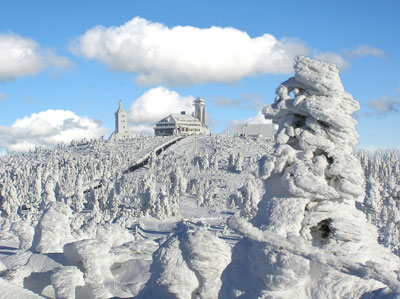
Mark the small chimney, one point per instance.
(183, 112)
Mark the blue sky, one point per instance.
(71, 71)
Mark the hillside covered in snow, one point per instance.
(302, 216)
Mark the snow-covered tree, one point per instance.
(314, 181)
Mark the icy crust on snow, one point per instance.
(313, 181)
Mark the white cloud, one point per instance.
(2, 97)
(186, 54)
(155, 104)
(384, 105)
(22, 56)
(364, 50)
(48, 128)
(335, 58)
(258, 119)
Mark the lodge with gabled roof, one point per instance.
(184, 124)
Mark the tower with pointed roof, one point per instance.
(199, 110)
(121, 120)
(121, 124)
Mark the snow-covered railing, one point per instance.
(87, 187)
(138, 164)
(158, 150)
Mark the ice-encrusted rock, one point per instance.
(313, 181)
(65, 280)
(53, 229)
(188, 265)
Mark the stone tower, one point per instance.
(121, 120)
(199, 110)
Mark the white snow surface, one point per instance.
(209, 216)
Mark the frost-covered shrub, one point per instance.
(201, 162)
(178, 181)
(250, 197)
(235, 163)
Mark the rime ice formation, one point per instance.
(65, 280)
(53, 229)
(313, 183)
(188, 265)
(24, 232)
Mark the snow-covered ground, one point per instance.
(209, 216)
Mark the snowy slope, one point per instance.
(194, 185)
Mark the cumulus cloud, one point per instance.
(22, 56)
(155, 104)
(384, 105)
(335, 58)
(48, 128)
(364, 50)
(186, 54)
(258, 119)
